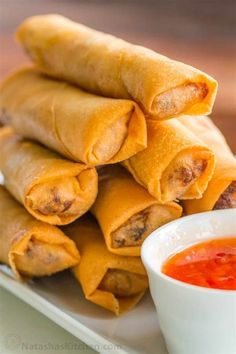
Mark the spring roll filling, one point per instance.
(139, 226)
(123, 283)
(178, 99)
(4, 117)
(42, 259)
(111, 140)
(56, 197)
(227, 199)
(183, 173)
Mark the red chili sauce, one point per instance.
(211, 264)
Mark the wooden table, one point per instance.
(200, 33)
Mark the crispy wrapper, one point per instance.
(175, 164)
(114, 282)
(81, 126)
(221, 190)
(126, 212)
(50, 187)
(106, 65)
(30, 247)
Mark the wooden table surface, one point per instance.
(200, 33)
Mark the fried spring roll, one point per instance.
(114, 282)
(221, 190)
(106, 65)
(175, 164)
(81, 126)
(51, 188)
(30, 247)
(126, 212)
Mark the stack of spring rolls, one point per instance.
(102, 143)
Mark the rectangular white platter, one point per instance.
(60, 298)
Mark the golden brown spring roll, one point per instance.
(50, 187)
(81, 126)
(175, 164)
(126, 212)
(106, 65)
(114, 282)
(221, 190)
(30, 247)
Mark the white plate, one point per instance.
(60, 298)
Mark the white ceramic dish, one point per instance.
(60, 299)
(194, 319)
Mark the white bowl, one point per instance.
(193, 319)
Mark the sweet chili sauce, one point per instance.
(210, 264)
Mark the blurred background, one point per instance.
(201, 33)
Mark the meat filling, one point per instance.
(42, 259)
(56, 198)
(123, 283)
(139, 226)
(183, 176)
(227, 199)
(177, 100)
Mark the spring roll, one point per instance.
(106, 65)
(51, 188)
(221, 190)
(114, 282)
(30, 247)
(175, 164)
(126, 212)
(81, 126)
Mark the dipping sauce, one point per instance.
(211, 264)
